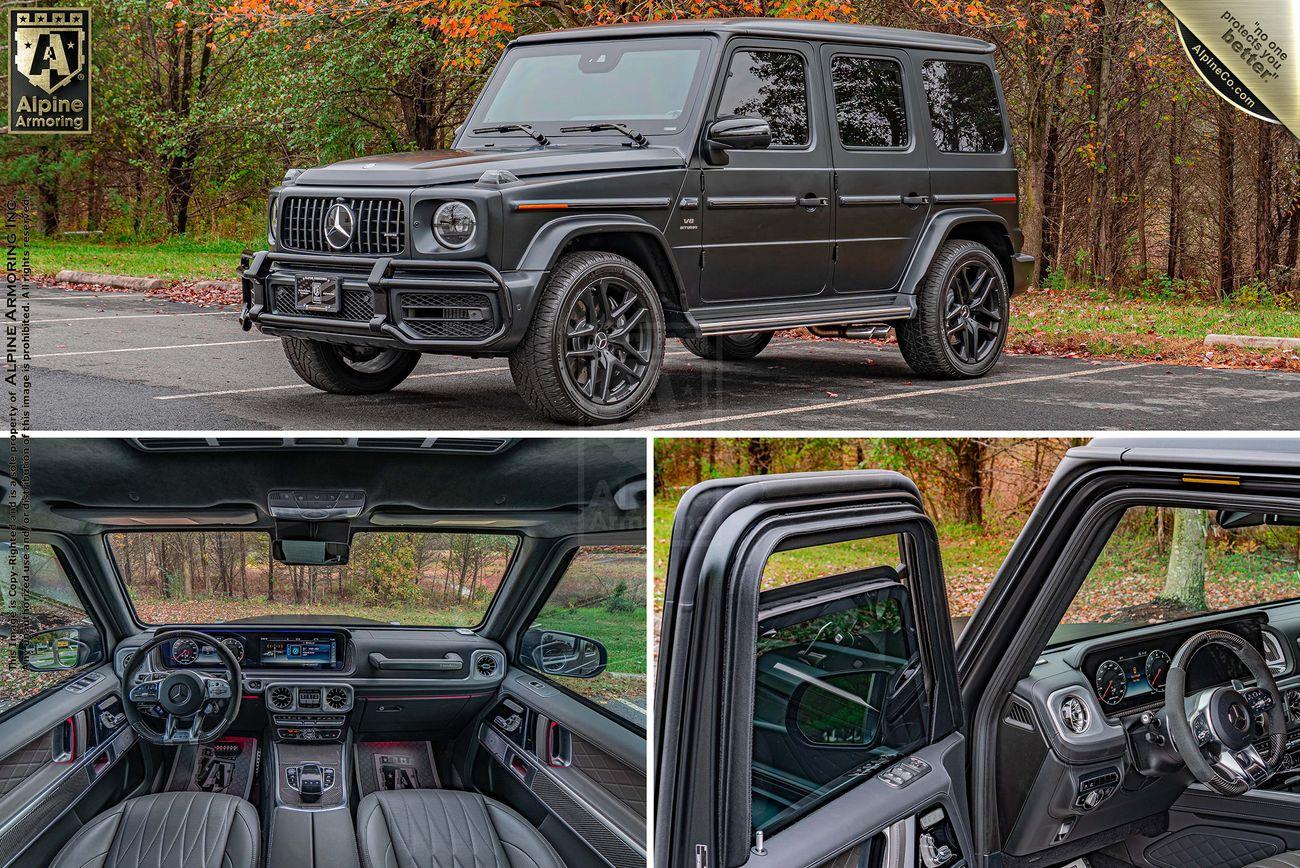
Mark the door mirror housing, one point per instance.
(554, 653)
(60, 649)
(735, 134)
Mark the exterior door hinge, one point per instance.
(701, 856)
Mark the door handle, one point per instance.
(811, 201)
(912, 200)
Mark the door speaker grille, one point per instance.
(615, 850)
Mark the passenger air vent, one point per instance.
(336, 698)
(487, 665)
(281, 698)
(169, 443)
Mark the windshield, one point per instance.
(412, 578)
(645, 83)
(1163, 564)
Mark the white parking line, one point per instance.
(307, 386)
(229, 313)
(251, 389)
(895, 396)
(150, 349)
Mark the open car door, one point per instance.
(813, 723)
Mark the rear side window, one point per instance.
(839, 692)
(772, 85)
(869, 106)
(964, 111)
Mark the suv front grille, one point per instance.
(448, 315)
(357, 305)
(379, 225)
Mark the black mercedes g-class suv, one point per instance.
(712, 181)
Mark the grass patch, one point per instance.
(1157, 329)
(177, 258)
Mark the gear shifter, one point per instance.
(310, 783)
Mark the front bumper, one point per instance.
(431, 306)
(1022, 267)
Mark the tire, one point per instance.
(349, 370)
(562, 367)
(962, 319)
(729, 348)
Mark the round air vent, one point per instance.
(126, 660)
(336, 697)
(1074, 714)
(487, 665)
(1293, 704)
(281, 698)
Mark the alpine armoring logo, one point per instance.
(49, 70)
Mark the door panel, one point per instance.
(73, 763)
(767, 219)
(724, 651)
(578, 774)
(882, 179)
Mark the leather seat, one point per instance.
(446, 828)
(168, 830)
(1281, 860)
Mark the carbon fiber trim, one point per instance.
(586, 825)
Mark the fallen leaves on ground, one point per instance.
(201, 293)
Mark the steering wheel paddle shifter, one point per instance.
(1215, 730)
(185, 699)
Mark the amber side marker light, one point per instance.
(1212, 480)
(541, 206)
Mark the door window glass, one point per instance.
(772, 85)
(964, 112)
(869, 106)
(596, 614)
(36, 595)
(839, 692)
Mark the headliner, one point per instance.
(577, 477)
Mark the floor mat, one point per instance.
(395, 765)
(226, 765)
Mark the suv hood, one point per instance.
(423, 168)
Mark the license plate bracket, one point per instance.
(317, 294)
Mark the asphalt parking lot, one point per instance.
(119, 361)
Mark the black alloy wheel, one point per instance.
(973, 318)
(595, 345)
(609, 339)
(348, 369)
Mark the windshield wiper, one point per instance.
(510, 128)
(637, 138)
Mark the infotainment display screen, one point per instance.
(299, 651)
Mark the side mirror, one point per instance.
(735, 134)
(569, 654)
(60, 649)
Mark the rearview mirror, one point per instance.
(310, 552)
(736, 134)
(60, 649)
(569, 654)
(1236, 520)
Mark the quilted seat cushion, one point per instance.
(447, 829)
(167, 830)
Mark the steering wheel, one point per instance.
(1214, 730)
(184, 698)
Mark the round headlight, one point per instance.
(453, 224)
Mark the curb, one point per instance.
(1254, 341)
(119, 281)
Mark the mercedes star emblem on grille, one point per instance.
(340, 223)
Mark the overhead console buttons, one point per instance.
(316, 504)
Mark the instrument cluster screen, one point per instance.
(316, 651)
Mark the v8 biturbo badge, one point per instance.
(49, 70)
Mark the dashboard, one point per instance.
(1132, 674)
(298, 650)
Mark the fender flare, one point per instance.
(544, 249)
(937, 232)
